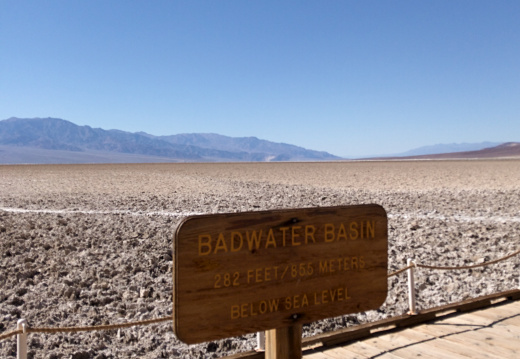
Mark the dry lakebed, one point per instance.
(86, 245)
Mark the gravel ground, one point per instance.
(91, 244)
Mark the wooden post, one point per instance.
(284, 343)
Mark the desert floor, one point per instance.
(92, 244)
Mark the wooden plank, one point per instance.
(448, 349)
(237, 273)
(482, 343)
(503, 336)
(503, 311)
(408, 345)
(317, 355)
(441, 329)
(464, 350)
(369, 351)
(398, 346)
(342, 353)
(468, 320)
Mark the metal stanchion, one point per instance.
(21, 340)
(411, 287)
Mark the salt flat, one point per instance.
(91, 244)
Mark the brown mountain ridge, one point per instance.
(505, 150)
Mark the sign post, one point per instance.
(284, 343)
(275, 270)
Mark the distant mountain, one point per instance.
(53, 140)
(504, 150)
(447, 148)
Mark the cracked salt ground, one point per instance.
(87, 245)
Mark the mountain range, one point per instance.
(503, 150)
(53, 140)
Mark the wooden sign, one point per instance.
(248, 272)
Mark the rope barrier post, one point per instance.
(411, 287)
(21, 340)
(260, 342)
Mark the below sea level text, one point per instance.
(245, 310)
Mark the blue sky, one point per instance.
(352, 78)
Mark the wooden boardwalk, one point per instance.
(493, 332)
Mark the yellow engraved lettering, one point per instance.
(253, 239)
(253, 312)
(343, 294)
(288, 303)
(371, 229)
(250, 273)
(339, 261)
(246, 310)
(258, 276)
(297, 301)
(305, 301)
(284, 234)
(262, 307)
(235, 311)
(243, 310)
(273, 305)
(332, 293)
(270, 239)
(361, 262)
(354, 234)
(332, 267)
(221, 244)
(342, 233)
(346, 294)
(346, 264)
(204, 244)
(329, 232)
(361, 230)
(309, 234)
(267, 274)
(354, 263)
(324, 298)
(236, 241)
(324, 267)
(295, 234)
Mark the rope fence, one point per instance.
(98, 327)
(23, 328)
(84, 329)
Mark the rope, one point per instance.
(454, 268)
(400, 270)
(98, 327)
(85, 329)
(470, 266)
(12, 333)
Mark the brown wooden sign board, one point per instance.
(247, 272)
